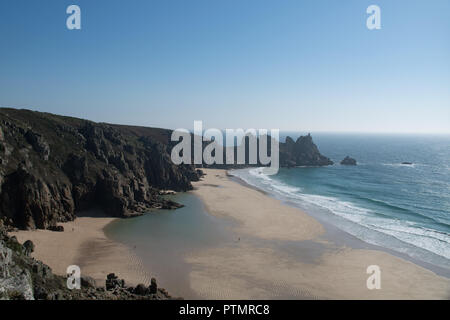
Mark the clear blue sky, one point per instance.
(287, 64)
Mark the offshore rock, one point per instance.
(348, 161)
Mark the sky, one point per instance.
(285, 64)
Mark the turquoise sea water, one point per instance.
(405, 208)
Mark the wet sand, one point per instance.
(253, 210)
(83, 243)
(283, 253)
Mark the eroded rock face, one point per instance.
(4, 152)
(32, 202)
(5, 261)
(39, 144)
(15, 282)
(118, 169)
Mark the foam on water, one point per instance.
(373, 226)
(271, 184)
(413, 165)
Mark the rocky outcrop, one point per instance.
(15, 283)
(113, 282)
(348, 161)
(142, 290)
(302, 152)
(25, 278)
(28, 247)
(53, 166)
(153, 288)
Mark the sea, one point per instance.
(402, 207)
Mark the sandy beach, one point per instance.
(276, 252)
(84, 243)
(258, 266)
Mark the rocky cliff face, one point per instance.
(15, 281)
(52, 166)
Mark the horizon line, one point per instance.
(441, 133)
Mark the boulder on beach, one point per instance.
(153, 288)
(56, 228)
(140, 290)
(28, 247)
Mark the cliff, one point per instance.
(53, 166)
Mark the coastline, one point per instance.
(276, 252)
(301, 264)
(253, 209)
(342, 238)
(84, 243)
